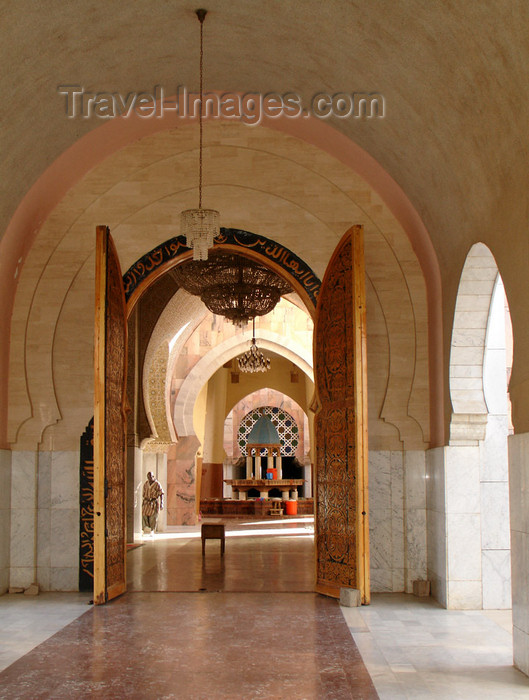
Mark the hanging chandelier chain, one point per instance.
(201, 16)
(200, 226)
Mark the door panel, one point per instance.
(109, 422)
(342, 545)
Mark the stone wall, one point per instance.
(397, 519)
(5, 518)
(45, 520)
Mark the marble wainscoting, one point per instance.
(519, 499)
(5, 518)
(454, 522)
(45, 543)
(397, 519)
(58, 521)
(22, 571)
(436, 523)
(463, 527)
(416, 551)
(468, 537)
(495, 526)
(181, 482)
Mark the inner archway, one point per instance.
(213, 344)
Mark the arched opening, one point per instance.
(189, 381)
(140, 191)
(292, 424)
(477, 493)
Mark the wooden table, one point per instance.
(212, 531)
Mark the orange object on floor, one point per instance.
(291, 507)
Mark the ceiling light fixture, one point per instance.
(200, 226)
(232, 286)
(253, 359)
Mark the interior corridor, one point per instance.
(247, 625)
(260, 556)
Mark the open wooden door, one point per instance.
(109, 422)
(341, 526)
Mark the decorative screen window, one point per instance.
(285, 425)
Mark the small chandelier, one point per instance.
(200, 226)
(253, 359)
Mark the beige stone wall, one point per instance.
(271, 183)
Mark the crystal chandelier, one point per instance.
(232, 286)
(200, 226)
(253, 359)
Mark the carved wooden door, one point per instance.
(341, 528)
(109, 422)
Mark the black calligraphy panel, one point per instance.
(86, 509)
(175, 247)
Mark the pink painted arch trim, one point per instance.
(94, 147)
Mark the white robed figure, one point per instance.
(152, 502)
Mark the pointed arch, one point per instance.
(468, 344)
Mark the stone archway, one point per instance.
(171, 425)
(476, 462)
(266, 251)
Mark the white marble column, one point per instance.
(436, 523)
(308, 480)
(495, 531)
(519, 501)
(457, 478)
(249, 461)
(227, 474)
(279, 466)
(138, 493)
(463, 527)
(258, 465)
(161, 475)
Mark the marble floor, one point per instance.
(413, 648)
(247, 626)
(259, 556)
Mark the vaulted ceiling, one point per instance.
(453, 141)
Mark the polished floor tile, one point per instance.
(26, 621)
(214, 646)
(414, 648)
(247, 625)
(259, 556)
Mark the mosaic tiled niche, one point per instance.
(286, 426)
